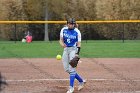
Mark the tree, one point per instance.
(46, 25)
(63, 9)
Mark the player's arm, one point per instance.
(62, 42)
(78, 43)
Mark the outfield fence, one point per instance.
(115, 30)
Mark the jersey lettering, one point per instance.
(70, 37)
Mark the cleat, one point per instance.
(81, 85)
(71, 90)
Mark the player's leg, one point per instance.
(81, 82)
(65, 60)
(72, 55)
(72, 70)
(73, 73)
(77, 76)
(72, 52)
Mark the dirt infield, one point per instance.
(46, 75)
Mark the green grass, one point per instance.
(91, 49)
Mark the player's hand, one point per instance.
(63, 45)
(77, 55)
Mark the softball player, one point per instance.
(70, 40)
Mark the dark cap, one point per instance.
(71, 21)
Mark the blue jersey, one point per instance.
(70, 37)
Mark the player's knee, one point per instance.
(66, 70)
(72, 72)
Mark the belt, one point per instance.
(70, 46)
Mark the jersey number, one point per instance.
(68, 40)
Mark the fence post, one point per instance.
(123, 31)
(15, 31)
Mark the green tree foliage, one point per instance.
(118, 10)
(79, 9)
(12, 10)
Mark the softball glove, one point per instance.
(74, 61)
